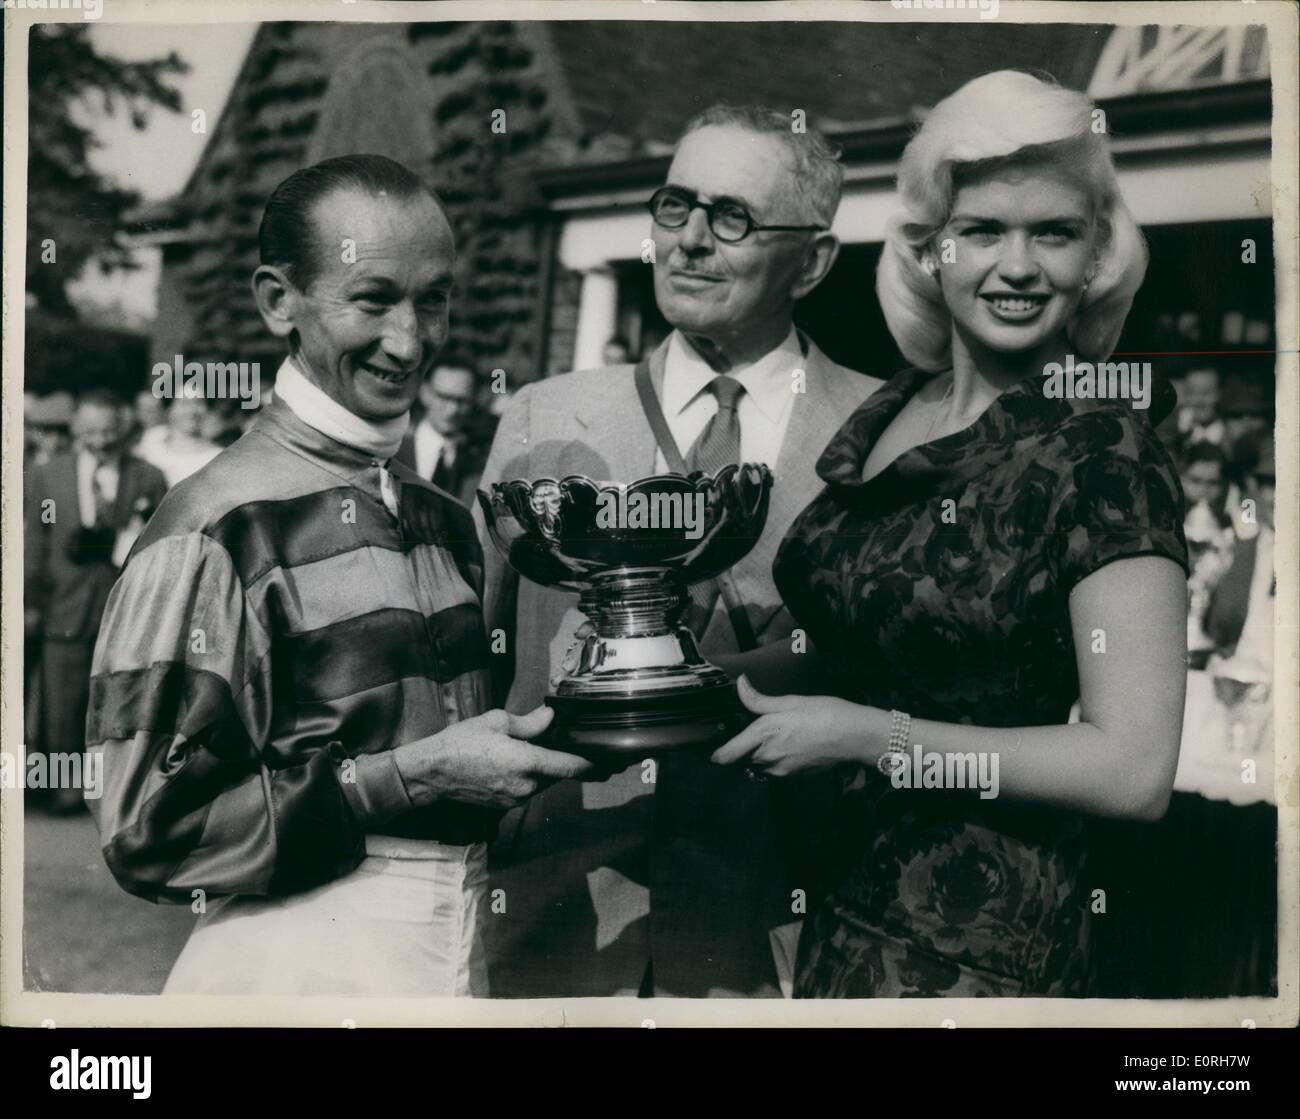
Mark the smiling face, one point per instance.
(728, 292)
(1024, 244)
(369, 329)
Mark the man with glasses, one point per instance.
(448, 446)
(670, 878)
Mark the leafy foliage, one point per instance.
(69, 202)
(480, 175)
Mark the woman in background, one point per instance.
(982, 556)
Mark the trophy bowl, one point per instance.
(640, 685)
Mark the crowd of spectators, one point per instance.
(1210, 861)
(95, 468)
(1192, 899)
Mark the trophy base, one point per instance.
(625, 729)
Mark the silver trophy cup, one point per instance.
(640, 685)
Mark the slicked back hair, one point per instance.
(286, 237)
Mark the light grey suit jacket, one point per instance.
(592, 873)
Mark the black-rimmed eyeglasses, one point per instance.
(729, 220)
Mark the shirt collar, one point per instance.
(429, 439)
(767, 382)
(87, 460)
(280, 423)
(318, 410)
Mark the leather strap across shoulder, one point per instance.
(654, 414)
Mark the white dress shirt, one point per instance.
(1215, 431)
(428, 447)
(177, 456)
(764, 408)
(87, 471)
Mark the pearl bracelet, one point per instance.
(900, 733)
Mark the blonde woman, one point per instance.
(984, 554)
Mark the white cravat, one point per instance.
(318, 410)
(764, 408)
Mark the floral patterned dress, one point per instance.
(940, 587)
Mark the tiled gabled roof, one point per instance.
(643, 80)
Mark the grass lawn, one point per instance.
(81, 931)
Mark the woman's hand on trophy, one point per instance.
(486, 760)
(798, 734)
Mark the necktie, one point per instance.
(442, 469)
(103, 507)
(719, 442)
(717, 446)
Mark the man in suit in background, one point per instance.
(671, 879)
(1200, 418)
(83, 510)
(1240, 618)
(448, 446)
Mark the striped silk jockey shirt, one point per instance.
(275, 634)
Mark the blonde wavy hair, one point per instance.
(999, 120)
